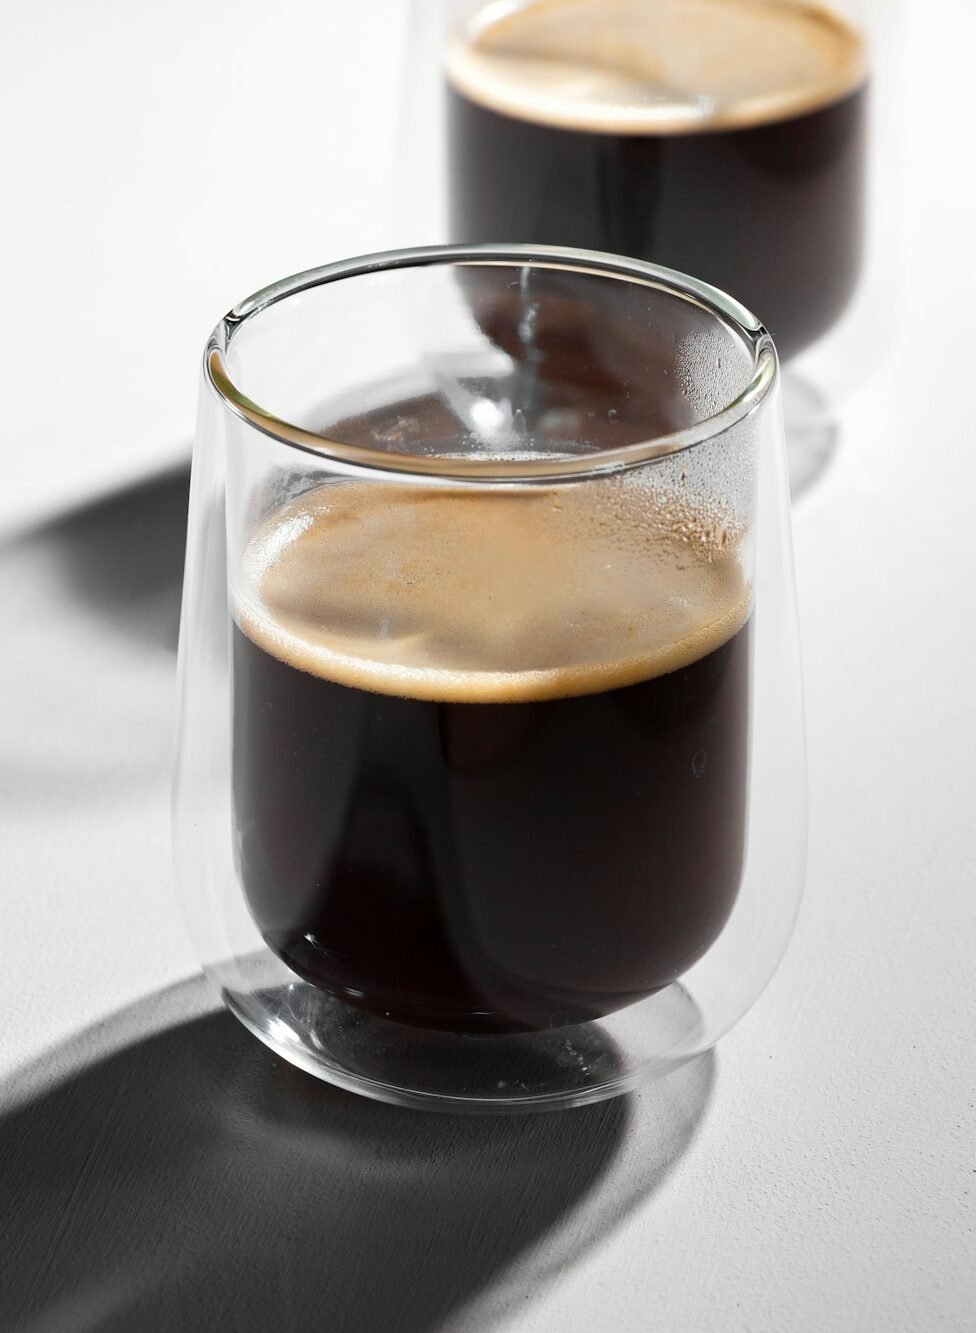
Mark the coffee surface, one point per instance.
(658, 66)
(492, 596)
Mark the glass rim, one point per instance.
(355, 459)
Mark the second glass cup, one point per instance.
(477, 804)
(724, 138)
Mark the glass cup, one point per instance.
(490, 779)
(724, 138)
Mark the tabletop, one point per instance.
(160, 1169)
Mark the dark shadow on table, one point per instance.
(177, 1175)
(122, 556)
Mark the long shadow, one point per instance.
(178, 1176)
(122, 556)
(95, 597)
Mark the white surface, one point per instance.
(830, 1184)
(161, 162)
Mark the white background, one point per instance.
(162, 161)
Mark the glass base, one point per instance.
(421, 1067)
(811, 431)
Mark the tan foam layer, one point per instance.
(497, 596)
(657, 66)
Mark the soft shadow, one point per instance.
(122, 556)
(812, 432)
(178, 1175)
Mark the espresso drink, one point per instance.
(490, 746)
(724, 138)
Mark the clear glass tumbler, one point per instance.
(490, 779)
(730, 139)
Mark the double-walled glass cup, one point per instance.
(490, 780)
(725, 138)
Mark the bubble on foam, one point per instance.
(494, 594)
(657, 66)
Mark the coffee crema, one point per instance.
(491, 596)
(658, 66)
(490, 747)
(723, 138)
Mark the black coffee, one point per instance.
(490, 749)
(724, 138)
